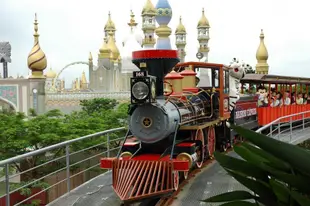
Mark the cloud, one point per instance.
(70, 29)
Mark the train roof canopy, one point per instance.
(274, 79)
(199, 64)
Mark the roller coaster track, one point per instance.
(72, 64)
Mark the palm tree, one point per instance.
(277, 173)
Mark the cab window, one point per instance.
(208, 77)
(215, 78)
(226, 82)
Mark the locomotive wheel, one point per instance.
(185, 156)
(201, 152)
(176, 178)
(224, 147)
(126, 155)
(211, 141)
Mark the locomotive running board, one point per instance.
(134, 180)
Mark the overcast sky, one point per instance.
(70, 29)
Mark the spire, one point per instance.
(180, 40)
(262, 66)
(181, 28)
(262, 53)
(132, 22)
(112, 46)
(83, 78)
(109, 26)
(149, 8)
(90, 57)
(36, 59)
(203, 22)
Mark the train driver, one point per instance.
(262, 98)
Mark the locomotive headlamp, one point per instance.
(140, 90)
(143, 88)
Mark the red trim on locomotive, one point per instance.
(178, 165)
(155, 54)
(130, 143)
(186, 144)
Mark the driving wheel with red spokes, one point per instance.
(211, 141)
(201, 151)
(176, 180)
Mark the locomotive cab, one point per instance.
(213, 83)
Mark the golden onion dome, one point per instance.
(50, 74)
(181, 28)
(36, 59)
(203, 22)
(104, 48)
(109, 26)
(262, 53)
(112, 46)
(149, 8)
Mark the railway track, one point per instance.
(166, 201)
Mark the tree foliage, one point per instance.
(20, 134)
(277, 173)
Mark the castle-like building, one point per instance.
(114, 67)
(109, 78)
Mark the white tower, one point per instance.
(148, 24)
(180, 40)
(203, 35)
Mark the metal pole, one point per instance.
(270, 128)
(279, 130)
(68, 167)
(291, 129)
(108, 144)
(303, 121)
(7, 184)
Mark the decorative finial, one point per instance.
(90, 57)
(36, 26)
(36, 59)
(262, 56)
(110, 24)
(132, 22)
(262, 36)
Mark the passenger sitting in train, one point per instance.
(286, 98)
(300, 99)
(308, 99)
(276, 100)
(293, 98)
(305, 98)
(280, 98)
(262, 98)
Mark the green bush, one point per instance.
(277, 173)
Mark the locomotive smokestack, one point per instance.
(157, 63)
